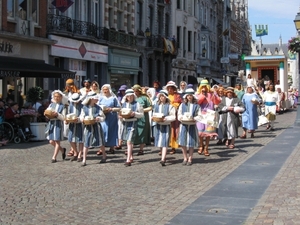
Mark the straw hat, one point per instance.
(171, 84)
(189, 91)
(75, 97)
(137, 87)
(90, 95)
(163, 92)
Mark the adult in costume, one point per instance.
(230, 108)
(175, 101)
(250, 117)
(143, 123)
(207, 100)
(270, 98)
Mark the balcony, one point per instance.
(156, 42)
(66, 26)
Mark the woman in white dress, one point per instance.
(270, 98)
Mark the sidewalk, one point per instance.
(35, 191)
(256, 192)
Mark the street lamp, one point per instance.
(297, 25)
(147, 32)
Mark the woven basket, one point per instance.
(126, 116)
(49, 114)
(72, 120)
(89, 122)
(158, 119)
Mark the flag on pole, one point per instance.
(261, 30)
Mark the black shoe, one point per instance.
(53, 161)
(127, 164)
(83, 164)
(63, 155)
(74, 158)
(162, 163)
(102, 161)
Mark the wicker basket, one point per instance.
(89, 122)
(49, 114)
(126, 116)
(72, 120)
(158, 119)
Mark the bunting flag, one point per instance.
(169, 47)
(261, 30)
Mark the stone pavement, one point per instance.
(34, 191)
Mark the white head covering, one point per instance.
(109, 88)
(128, 92)
(171, 84)
(163, 92)
(90, 95)
(64, 98)
(189, 91)
(152, 92)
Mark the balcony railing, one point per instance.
(68, 26)
(155, 41)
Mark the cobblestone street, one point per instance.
(35, 191)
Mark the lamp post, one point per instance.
(297, 25)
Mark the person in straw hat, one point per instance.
(207, 100)
(92, 134)
(54, 129)
(230, 108)
(130, 124)
(162, 129)
(75, 134)
(175, 100)
(143, 124)
(188, 134)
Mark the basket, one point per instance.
(255, 102)
(89, 122)
(72, 120)
(158, 119)
(126, 116)
(49, 114)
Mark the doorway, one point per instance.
(268, 75)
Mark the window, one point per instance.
(167, 23)
(178, 4)
(189, 41)
(178, 36)
(23, 9)
(139, 15)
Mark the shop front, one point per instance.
(123, 68)
(87, 60)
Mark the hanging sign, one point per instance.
(62, 5)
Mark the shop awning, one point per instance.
(20, 67)
(218, 81)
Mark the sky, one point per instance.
(279, 15)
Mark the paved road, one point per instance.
(34, 191)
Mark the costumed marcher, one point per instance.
(221, 137)
(270, 98)
(95, 87)
(143, 123)
(54, 129)
(120, 95)
(189, 111)
(152, 96)
(75, 134)
(251, 82)
(156, 86)
(110, 106)
(182, 88)
(130, 123)
(175, 100)
(250, 116)
(230, 108)
(207, 101)
(86, 87)
(92, 134)
(239, 91)
(163, 128)
(280, 106)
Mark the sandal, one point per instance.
(118, 147)
(252, 135)
(206, 153)
(99, 152)
(140, 152)
(125, 152)
(111, 151)
(231, 146)
(173, 151)
(200, 150)
(219, 142)
(244, 136)
(268, 127)
(70, 153)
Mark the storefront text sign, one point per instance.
(6, 47)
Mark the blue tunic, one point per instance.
(162, 131)
(110, 125)
(92, 134)
(250, 116)
(130, 126)
(54, 129)
(75, 129)
(188, 133)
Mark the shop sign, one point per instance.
(5, 73)
(6, 47)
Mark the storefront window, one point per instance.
(117, 80)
